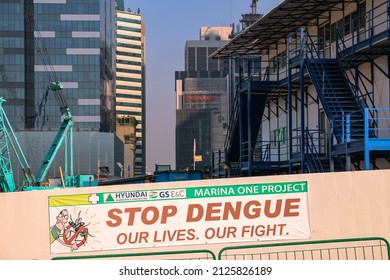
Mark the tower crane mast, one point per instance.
(7, 139)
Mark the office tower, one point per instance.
(42, 41)
(130, 83)
(201, 100)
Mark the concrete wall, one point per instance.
(341, 205)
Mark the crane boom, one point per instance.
(56, 87)
(7, 139)
(64, 133)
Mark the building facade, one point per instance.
(51, 41)
(130, 80)
(320, 100)
(201, 100)
(125, 152)
(43, 41)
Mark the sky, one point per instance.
(169, 24)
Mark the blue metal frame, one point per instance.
(349, 126)
(343, 127)
(373, 140)
(249, 118)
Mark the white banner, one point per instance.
(173, 217)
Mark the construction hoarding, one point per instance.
(198, 215)
(180, 216)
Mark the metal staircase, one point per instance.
(257, 106)
(248, 108)
(232, 137)
(337, 98)
(341, 101)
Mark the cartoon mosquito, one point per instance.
(74, 230)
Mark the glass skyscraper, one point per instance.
(201, 100)
(71, 41)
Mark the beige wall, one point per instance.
(128, 148)
(341, 205)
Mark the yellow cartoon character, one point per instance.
(60, 229)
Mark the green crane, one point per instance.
(64, 135)
(9, 141)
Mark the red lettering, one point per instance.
(113, 214)
(194, 213)
(292, 204)
(132, 212)
(213, 208)
(168, 211)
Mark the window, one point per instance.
(191, 58)
(324, 36)
(201, 59)
(347, 25)
(358, 18)
(279, 136)
(278, 62)
(350, 23)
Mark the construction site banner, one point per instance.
(174, 217)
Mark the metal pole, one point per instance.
(302, 88)
(71, 151)
(240, 123)
(66, 155)
(348, 157)
(366, 141)
(249, 120)
(331, 160)
(290, 140)
(194, 156)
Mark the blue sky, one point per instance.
(169, 24)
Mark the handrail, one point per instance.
(359, 95)
(313, 56)
(376, 20)
(374, 136)
(386, 245)
(264, 151)
(313, 153)
(279, 71)
(141, 254)
(382, 130)
(318, 141)
(265, 75)
(267, 153)
(344, 129)
(232, 121)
